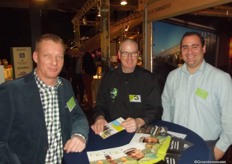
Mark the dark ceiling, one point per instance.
(219, 17)
(53, 9)
(70, 6)
(56, 16)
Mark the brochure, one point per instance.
(178, 145)
(153, 137)
(134, 153)
(150, 144)
(112, 128)
(179, 135)
(152, 130)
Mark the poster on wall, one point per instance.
(2, 79)
(22, 61)
(166, 40)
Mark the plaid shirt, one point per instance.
(49, 98)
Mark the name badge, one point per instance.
(201, 93)
(71, 104)
(135, 98)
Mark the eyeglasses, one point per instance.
(126, 54)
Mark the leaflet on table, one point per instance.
(135, 153)
(153, 138)
(179, 135)
(112, 127)
(152, 130)
(155, 130)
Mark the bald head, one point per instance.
(126, 42)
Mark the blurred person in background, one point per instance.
(89, 70)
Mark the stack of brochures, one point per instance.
(150, 144)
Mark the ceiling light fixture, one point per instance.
(123, 2)
(99, 12)
(84, 21)
(127, 28)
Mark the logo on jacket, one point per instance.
(114, 93)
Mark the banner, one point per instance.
(22, 61)
(162, 9)
(2, 79)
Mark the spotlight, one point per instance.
(99, 12)
(84, 21)
(123, 2)
(127, 27)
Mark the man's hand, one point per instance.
(99, 124)
(131, 124)
(218, 154)
(75, 144)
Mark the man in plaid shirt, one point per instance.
(39, 115)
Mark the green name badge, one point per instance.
(71, 104)
(201, 93)
(135, 98)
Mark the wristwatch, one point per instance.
(80, 136)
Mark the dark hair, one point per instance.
(48, 36)
(193, 33)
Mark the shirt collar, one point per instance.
(119, 70)
(201, 69)
(41, 84)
